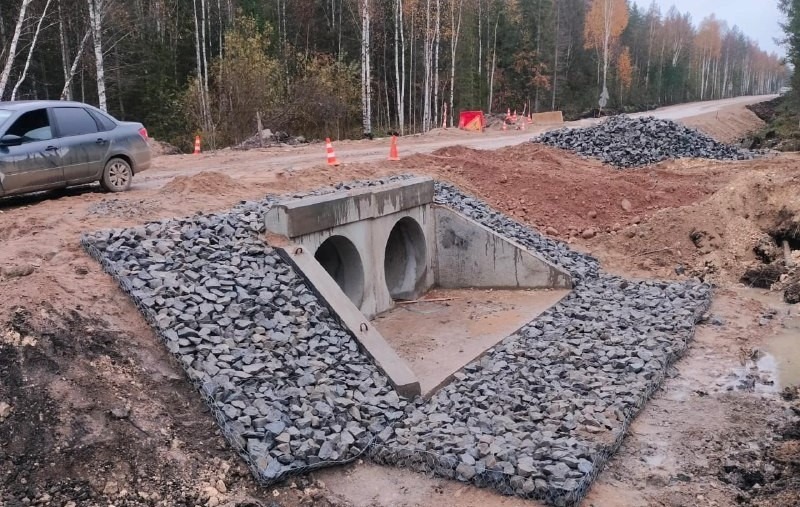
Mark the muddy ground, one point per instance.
(93, 410)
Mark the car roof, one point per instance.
(24, 105)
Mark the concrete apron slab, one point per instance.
(458, 326)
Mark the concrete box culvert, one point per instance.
(405, 260)
(390, 242)
(340, 258)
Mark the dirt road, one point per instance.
(249, 164)
(94, 411)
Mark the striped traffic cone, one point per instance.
(197, 145)
(331, 154)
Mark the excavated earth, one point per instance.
(95, 410)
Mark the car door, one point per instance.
(83, 146)
(29, 154)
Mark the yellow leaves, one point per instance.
(625, 68)
(605, 22)
(709, 37)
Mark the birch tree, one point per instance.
(455, 23)
(366, 69)
(96, 11)
(12, 50)
(400, 65)
(31, 49)
(605, 22)
(66, 92)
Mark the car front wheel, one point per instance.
(117, 175)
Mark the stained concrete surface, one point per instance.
(436, 339)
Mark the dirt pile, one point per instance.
(93, 416)
(160, 148)
(766, 111)
(207, 182)
(740, 226)
(563, 194)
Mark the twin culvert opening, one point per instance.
(404, 262)
(361, 250)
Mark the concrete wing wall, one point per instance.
(471, 255)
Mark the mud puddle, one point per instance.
(783, 351)
(775, 365)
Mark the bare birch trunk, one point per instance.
(494, 65)
(66, 93)
(426, 90)
(555, 55)
(203, 44)
(96, 21)
(64, 50)
(456, 26)
(198, 56)
(12, 50)
(30, 52)
(436, 45)
(412, 76)
(480, 39)
(400, 64)
(366, 72)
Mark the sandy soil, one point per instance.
(93, 410)
(438, 337)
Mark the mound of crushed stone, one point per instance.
(269, 139)
(627, 142)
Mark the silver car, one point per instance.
(54, 144)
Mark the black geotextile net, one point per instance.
(538, 416)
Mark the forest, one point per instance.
(353, 68)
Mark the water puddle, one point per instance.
(784, 351)
(776, 364)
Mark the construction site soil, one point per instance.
(94, 411)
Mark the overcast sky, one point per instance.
(758, 19)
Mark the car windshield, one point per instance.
(4, 115)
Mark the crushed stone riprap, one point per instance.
(627, 142)
(538, 416)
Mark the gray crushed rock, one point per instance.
(538, 416)
(627, 142)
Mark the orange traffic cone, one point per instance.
(530, 119)
(331, 155)
(505, 125)
(197, 145)
(393, 154)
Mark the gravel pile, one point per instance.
(269, 139)
(631, 142)
(538, 416)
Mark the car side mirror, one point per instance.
(10, 140)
